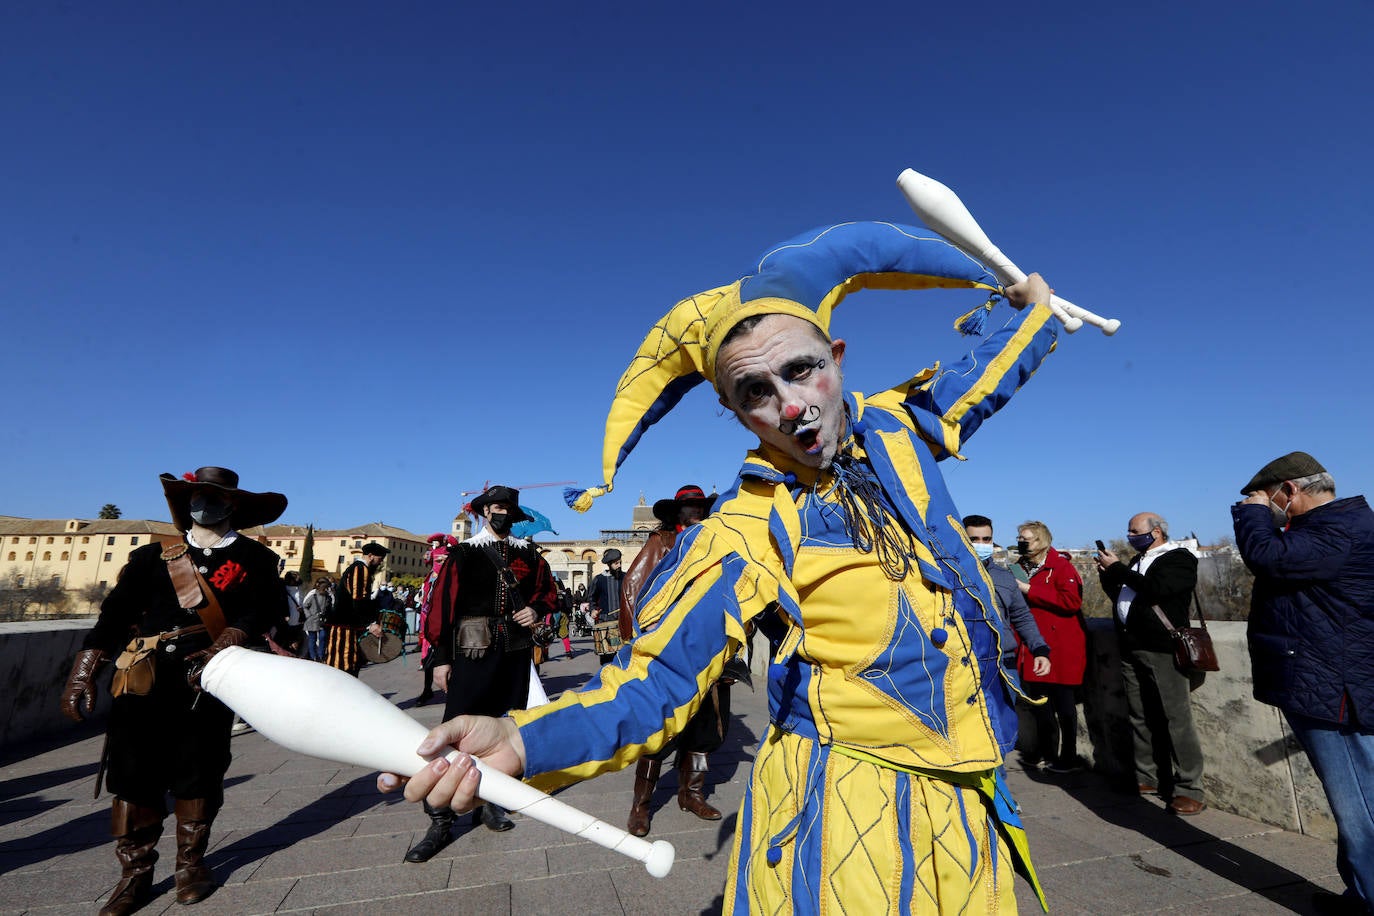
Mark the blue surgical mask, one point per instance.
(1140, 541)
(984, 551)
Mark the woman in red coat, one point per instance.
(1054, 591)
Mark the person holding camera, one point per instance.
(1311, 635)
(1160, 578)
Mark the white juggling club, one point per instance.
(942, 210)
(321, 711)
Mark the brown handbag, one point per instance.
(1193, 650)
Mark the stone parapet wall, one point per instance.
(35, 658)
(1254, 766)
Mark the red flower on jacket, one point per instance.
(227, 576)
(520, 568)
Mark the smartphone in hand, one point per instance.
(1101, 547)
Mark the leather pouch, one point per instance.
(136, 667)
(474, 636)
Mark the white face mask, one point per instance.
(1280, 515)
(984, 551)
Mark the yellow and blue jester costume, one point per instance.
(875, 789)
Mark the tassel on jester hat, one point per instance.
(805, 277)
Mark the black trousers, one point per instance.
(174, 740)
(488, 686)
(1056, 722)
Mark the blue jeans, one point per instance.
(315, 644)
(1343, 756)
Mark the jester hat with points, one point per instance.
(805, 277)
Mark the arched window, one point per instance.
(81, 555)
(47, 554)
(66, 555)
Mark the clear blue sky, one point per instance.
(458, 220)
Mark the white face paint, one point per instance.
(783, 382)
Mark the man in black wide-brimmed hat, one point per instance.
(490, 590)
(181, 603)
(705, 731)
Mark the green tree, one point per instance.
(109, 510)
(308, 555)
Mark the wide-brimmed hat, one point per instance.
(804, 277)
(374, 549)
(1293, 466)
(666, 510)
(500, 494)
(250, 509)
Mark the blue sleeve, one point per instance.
(950, 404)
(1319, 552)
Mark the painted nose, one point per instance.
(791, 412)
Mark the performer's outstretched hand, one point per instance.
(1029, 291)
(456, 785)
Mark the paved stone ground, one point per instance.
(304, 835)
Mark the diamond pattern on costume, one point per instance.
(911, 670)
(866, 822)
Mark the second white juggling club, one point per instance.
(321, 711)
(942, 210)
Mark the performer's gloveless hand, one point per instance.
(441, 673)
(525, 616)
(1029, 291)
(457, 785)
(375, 629)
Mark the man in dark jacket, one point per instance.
(1168, 755)
(186, 601)
(489, 592)
(1311, 634)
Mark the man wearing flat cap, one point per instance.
(606, 597)
(1311, 635)
(489, 592)
(169, 612)
(354, 611)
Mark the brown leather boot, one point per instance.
(691, 778)
(136, 831)
(646, 778)
(194, 879)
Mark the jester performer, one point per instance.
(875, 789)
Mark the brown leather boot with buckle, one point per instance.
(691, 776)
(136, 831)
(646, 778)
(194, 879)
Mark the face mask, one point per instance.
(208, 510)
(1023, 547)
(1140, 541)
(1280, 516)
(499, 523)
(984, 551)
